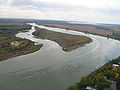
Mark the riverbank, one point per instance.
(109, 32)
(66, 41)
(11, 46)
(105, 78)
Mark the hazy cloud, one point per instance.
(80, 10)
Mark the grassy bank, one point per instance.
(11, 46)
(66, 41)
(102, 78)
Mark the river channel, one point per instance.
(51, 68)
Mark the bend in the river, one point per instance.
(53, 69)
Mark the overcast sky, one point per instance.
(105, 11)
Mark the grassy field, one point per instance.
(66, 41)
(7, 36)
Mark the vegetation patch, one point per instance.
(11, 46)
(66, 41)
(105, 78)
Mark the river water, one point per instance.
(53, 69)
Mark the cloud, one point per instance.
(106, 4)
(81, 10)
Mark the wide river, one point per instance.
(53, 69)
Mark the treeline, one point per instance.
(101, 78)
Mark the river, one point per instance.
(51, 68)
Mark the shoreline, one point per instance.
(110, 81)
(112, 35)
(13, 51)
(66, 41)
(20, 53)
(12, 46)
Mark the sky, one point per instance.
(93, 11)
